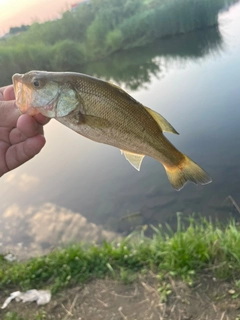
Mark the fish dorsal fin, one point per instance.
(162, 122)
(134, 158)
(115, 86)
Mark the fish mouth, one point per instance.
(23, 95)
(16, 79)
(17, 85)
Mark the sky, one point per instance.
(14, 13)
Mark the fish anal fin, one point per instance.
(133, 158)
(162, 122)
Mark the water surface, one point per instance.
(76, 189)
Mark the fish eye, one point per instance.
(36, 83)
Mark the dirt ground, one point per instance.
(208, 299)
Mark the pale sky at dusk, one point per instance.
(14, 13)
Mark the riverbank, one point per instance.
(100, 28)
(198, 263)
(208, 299)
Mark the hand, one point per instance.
(21, 136)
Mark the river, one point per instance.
(76, 189)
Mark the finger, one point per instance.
(22, 132)
(24, 151)
(28, 126)
(9, 114)
(41, 119)
(8, 93)
(2, 89)
(3, 164)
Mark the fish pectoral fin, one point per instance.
(133, 158)
(96, 122)
(162, 122)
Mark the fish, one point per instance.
(131, 216)
(105, 113)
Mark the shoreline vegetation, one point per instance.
(99, 28)
(184, 253)
(200, 247)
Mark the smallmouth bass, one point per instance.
(105, 113)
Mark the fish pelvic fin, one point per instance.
(133, 158)
(186, 171)
(161, 121)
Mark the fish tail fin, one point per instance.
(187, 170)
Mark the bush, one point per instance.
(100, 28)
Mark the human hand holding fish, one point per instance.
(21, 136)
(105, 113)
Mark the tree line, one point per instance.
(101, 27)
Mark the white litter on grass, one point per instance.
(40, 296)
(10, 257)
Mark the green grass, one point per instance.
(40, 315)
(184, 254)
(12, 316)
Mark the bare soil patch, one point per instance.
(208, 299)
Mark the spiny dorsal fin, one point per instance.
(122, 91)
(162, 122)
(134, 159)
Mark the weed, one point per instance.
(182, 254)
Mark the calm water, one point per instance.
(80, 190)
